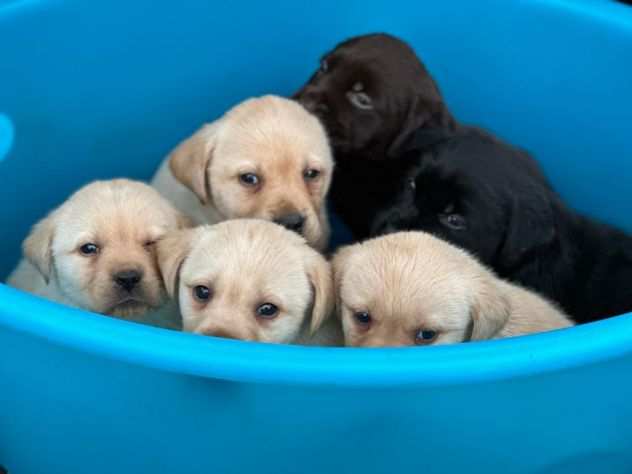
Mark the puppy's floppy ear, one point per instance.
(172, 250)
(426, 110)
(320, 277)
(338, 265)
(489, 312)
(38, 246)
(531, 227)
(190, 160)
(339, 262)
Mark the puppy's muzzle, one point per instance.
(127, 279)
(294, 222)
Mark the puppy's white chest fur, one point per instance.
(26, 277)
(182, 198)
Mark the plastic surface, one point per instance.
(6, 135)
(103, 89)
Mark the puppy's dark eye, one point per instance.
(311, 174)
(360, 100)
(149, 244)
(202, 293)
(453, 221)
(324, 66)
(249, 179)
(425, 336)
(363, 318)
(89, 249)
(267, 311)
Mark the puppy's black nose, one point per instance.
(292, 222)
(127, 279)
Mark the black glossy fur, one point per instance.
(366, 143)
(513, 222)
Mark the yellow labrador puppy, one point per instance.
(252, 280)
(411, 288)
(266, 158)
(97, 252)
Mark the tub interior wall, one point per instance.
(273, 428)
(107, 89)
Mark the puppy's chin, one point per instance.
(129, 309)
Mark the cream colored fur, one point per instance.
(412, 281)
(273, 137)
(124, 218)
(246, 263)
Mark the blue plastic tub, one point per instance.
(102, 89)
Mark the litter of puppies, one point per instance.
(459, 236)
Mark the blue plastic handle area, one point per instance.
(6, 136)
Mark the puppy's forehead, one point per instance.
(387, 66)
(273, 127)
(248, 252)
(406, 276)
(347, 70)
(376, 48)
(115, 209)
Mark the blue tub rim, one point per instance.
(240, 361)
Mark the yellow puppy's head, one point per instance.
(411, 288)
(246, 279)
(98, 247)
(266, 158)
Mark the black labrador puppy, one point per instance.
(371, 93)
(489, 198)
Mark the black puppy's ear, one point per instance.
(531, 227)
(423, 112)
